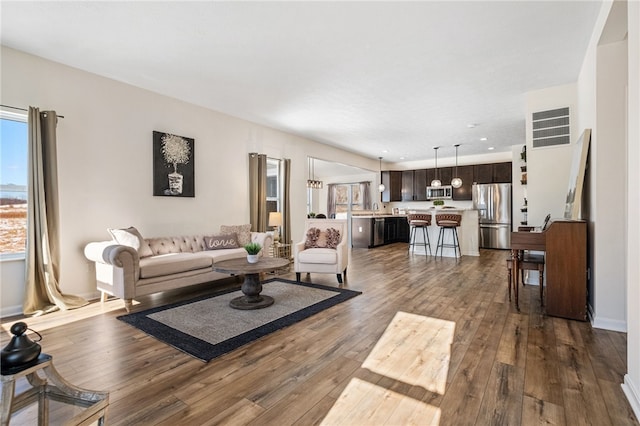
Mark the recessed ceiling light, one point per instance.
(402, 158)
(491, 148)
(483, 139)
(471, 125)
(384, 151)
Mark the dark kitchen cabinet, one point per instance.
(493, 173)
(502, 172)
(483, 173)
(396, 230)
(392, 181)
(407, 185)
(420, 185)
(445, 174)
(464, 192)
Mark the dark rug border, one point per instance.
(206, 351)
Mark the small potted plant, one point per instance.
(252, 252)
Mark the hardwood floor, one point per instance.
(430, 341)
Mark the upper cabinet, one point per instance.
(420, 185)
(502, 172)
(493, 173)
(464, 192)
(407, 185)
(411, 185)
(392, 181)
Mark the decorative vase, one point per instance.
(175, 183)
(252, 258)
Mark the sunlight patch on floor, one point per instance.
(59, 318)
(413, 350)
(364, 403)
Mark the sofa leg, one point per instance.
(339, 278)
(128, 303)
(298, 276)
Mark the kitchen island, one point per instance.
(370, 230)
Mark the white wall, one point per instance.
(631, 385)
(105, 163)
(548, 167)
(609, 173)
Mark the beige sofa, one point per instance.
(129, 266)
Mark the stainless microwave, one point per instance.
(439, 192)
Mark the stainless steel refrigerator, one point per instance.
(493, 202)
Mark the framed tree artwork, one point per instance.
(173, 165)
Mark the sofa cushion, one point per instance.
(172, 263)
(131, 237)
(318, 255)
(242, 231)
(219, 242)
(220, 255)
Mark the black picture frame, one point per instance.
(173, 165)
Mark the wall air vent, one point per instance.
(551, 128)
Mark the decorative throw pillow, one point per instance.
(131, 237)
(313, 234)
(217, 242)
(243, 232)
(322, 239)
(333, 238)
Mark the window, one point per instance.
(348, 198)
(13, 184)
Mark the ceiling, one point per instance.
(381, 79)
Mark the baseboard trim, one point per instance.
(633, 395)
(608, 324)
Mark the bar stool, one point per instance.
(419, 221)
(449, 221)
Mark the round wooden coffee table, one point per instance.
(251, 286)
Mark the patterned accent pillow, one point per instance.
(312, 238)
(333, 238)
(218, 242)
(242, 231)
(131, 237)
(322, 239)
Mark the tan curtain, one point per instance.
(258, 191)
(331, 200)
(365, 193)
(42, 292)
(286, 200)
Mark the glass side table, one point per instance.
(50, 392)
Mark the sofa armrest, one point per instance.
(117, 268)
(111, 253)
(264, 239)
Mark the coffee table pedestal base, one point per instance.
(252, 298)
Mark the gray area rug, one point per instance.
(208, 327)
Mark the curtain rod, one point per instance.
(22, 109)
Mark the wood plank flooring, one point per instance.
(430, 341)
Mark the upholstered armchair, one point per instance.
(324, 248)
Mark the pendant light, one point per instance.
(381, 187)
(436, 181)
(456, 182)
(312, 182)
